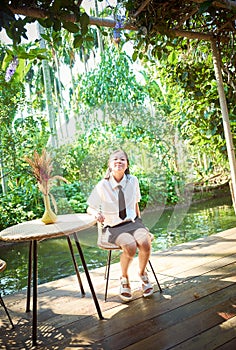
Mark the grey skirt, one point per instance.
(129, 227)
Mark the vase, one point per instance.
(49, 217)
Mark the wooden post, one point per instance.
(225, 116)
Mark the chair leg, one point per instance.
(160, 289)
(107, 272)
(75, 266)
(5, 308)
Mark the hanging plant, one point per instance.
(42, 167)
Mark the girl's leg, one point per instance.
(143, 240)
(129, 247)
(144, 245)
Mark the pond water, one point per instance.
(170, 227)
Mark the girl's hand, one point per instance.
(100, 217)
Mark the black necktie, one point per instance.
(121, 198)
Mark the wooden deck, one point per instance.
(197, 309)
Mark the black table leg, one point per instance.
(33, 260)
(35, 282)
(88, 276)
(29, 277)
(75, 266)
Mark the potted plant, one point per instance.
(42, 167)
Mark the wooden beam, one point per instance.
(192, 35)
(109, 22)
(105, 22)
(225, 117)
(40, 14)
(225, 4)
(141, 8)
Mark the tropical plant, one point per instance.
(112, 81)
(183, 83)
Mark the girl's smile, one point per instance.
(118, 164)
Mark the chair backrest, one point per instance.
(3, 265)
(102, 240)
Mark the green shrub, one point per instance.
(18, 206)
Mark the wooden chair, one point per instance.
(2, 268)
(103, 243)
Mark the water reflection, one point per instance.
(170, 227)
(201, 220)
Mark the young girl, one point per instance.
(121, 219)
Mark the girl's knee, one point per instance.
(145, 246)
(130, 249)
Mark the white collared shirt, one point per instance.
(104, 198)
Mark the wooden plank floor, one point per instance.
(197, 309)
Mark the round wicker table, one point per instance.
(34, 231)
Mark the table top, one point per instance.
(37, 230)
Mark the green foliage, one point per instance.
(20, 204)
(58, 17)
(169, 23)
(70, 198)
(186, 91)
(11, 98)
(152, 157)
(205, 16)
(16, 142)
(114, 117)
(112, 81)
(17, 133)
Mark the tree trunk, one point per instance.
(61, 109)
(225, 116)
(48, 92)
(2, 172)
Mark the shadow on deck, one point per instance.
(197, 309)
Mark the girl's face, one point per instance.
(118, 162)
